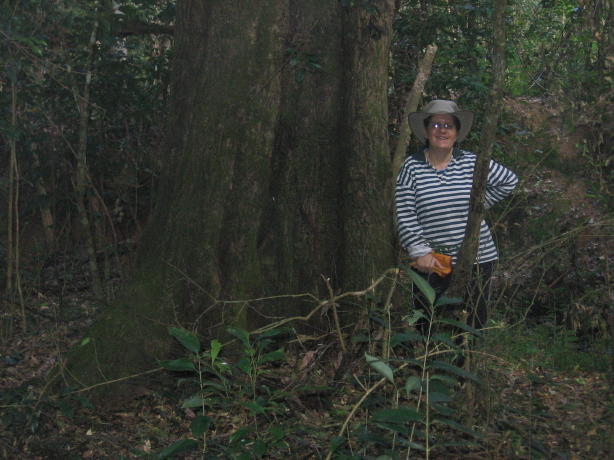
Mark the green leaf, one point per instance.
(414, 362)
(200, 424)
(444, 410)
(183, 445)
(66, 409)
(465, 444)
(444, 338)
(182, 364)
(215, 385)
(401, 337)
(240, 434)
(255, 408)
(417, 446)
(336, 442)
(258, 449)
(446, 379)
(277, 355)
(216, 347)
(272, 332)
(443, 300)
(263, 343)
(455, 370)
(458, 426)
(277, 432)
(185, 338)
(436, 397)
(442, 386)
(422, 285)
(84, 342)
(398, 415)
(240, 334)
(413, 319)
(360, 337)
(379, 320)
(460, 325)
(365, 436)
(380, 367)
(245, 365)
(413, 383)
(193, 401)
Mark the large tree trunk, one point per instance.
(277, 172)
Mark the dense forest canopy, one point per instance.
(166, 161)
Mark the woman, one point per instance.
(433, 190)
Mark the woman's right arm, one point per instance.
(410, 231)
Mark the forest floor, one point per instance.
(526, 409)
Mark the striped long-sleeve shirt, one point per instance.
(433, 206)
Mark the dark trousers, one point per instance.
(476, 296)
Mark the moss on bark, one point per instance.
(126, 339)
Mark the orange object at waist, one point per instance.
(444, 260)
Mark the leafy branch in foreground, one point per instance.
(408, 406)
(223, 387)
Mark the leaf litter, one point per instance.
(526, 412)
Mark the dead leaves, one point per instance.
(548, 414)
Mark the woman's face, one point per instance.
(441, 132)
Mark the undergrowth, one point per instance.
(549, 346)
(397, 396)
(406, 382)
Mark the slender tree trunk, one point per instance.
(13, 275)
(277, 172)
(461, 277)
(47, 218)
(605, 40)
(10, 221)
(410, 104)
(81, 175)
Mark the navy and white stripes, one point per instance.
(433, 206)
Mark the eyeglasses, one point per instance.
(438, 125)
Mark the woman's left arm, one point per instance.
(501, 182)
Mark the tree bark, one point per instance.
(461, 276)
(277, 172)
(47, 218)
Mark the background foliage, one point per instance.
(46, 56)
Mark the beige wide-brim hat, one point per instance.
(416, 119)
